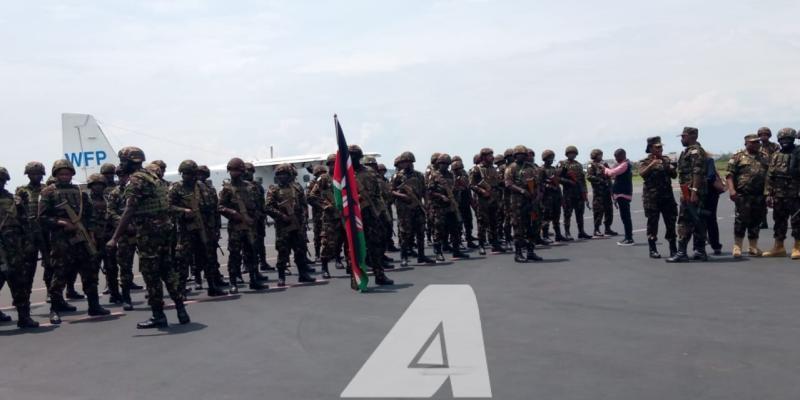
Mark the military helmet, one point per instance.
(161, 164)
(594, 153)
(62, 164)
(408, 156)
(444, 158)
(764, 129)
(237, 164)
(188, 166)
(690, 130)
(476, 159)
(485, 151)
(571, 149)
(108, 168)
(4, 176)
(752, 138)
(787, 133)
(319, 170)
(355, 151)
(499, 159)
(457, 158)
(434, 157)
(249, 167)
(203, 172)
(96, 179)
(331, 159)
(547, 154)
(652, 141)
(154, 168)
(457, 165)
(520, 149)
(508, 153)
(397, 160)
(34, 167)
(283, 169)
(382, 168)
(370, 160)
(132, 154)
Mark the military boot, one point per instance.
(471, 242)
(609, 232)
(518, 256)
(213, 289)
(264, 266)
(183, 316)
(4, 317)
(481, 248)
(498, 248)
(673, 248)
(326, 274)
(303, 275)
(582, 233)
(60, 305)
(281, 276)
(531, 254)
(73, 294)
(437, 251)
(753, 249)
(24, 320)
(597, 232)
(559, 237)
(198, 282)
(653, 249)
(338, 264)
(255, 283)
(796, 250)
(382, 280)
(680, 254)
(114, 295)
(457, 253)
(158, 320)
(127, 304)
(777, 250)
(95, 309)
(737, 247)
(567, 235)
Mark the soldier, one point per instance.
(39, 243)
(747, 171)
(573, 180)
(316, 212)
(321, 197)
(100, 231)
(187, 203)
(372, 209)
(782, 189)
(523, 188)
(386, 218)
(408, 186)
(501, 162)
(445, 209)
(284, 206)
(162, 166)
(485, 183)
(68, 215)
(387, 186)
(260, 217)
(147, 209)
(109, 172)
(657, 197)
(237, 202)
(121, 273)
(213, 223)
(464, 199)
(552, 198)
(602, 207)
(692, 171)
(14, 222)
(767, 149)
(428, 211)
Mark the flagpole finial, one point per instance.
(334, 116)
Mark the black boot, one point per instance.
(421, 257)
(55, 318)
(24, 320)
(183, 316)
(255, 283)
(567, 235)
(72, 294)
(326, 274)
(700, 254)
(498, 248)
(127, 304)
(457, 253)
(264, 266)
(653, 249)
(609, 232)
(338, 264)
(198, 282)
(559, 237)
(382, 280)
(134, 286)
(213, 289)
(61, 306)
(518, 256)
(281, 276)
(597, 232)
(437, 251)
(482, 248)
(95, 309)
(158, 320)
(114, 295)
(403, 257)
(4, 317)
(673, 248)
(303, 275)
(471, 243)
(680, 255)
(581, 233)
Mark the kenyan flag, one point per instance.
(345, 192)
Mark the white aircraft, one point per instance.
(86, 145)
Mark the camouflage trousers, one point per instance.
(573, 203)
(446, 229)
(465, 209)
(506, 215)
(241, 248)
(749, 214)
(374, 234)
(551, 207)
(489, 227)
(126, 249)
(288, 243)
(602, 209)
(331, 237)
(33, 250)
(67, 260)
(689, 227)
(15, 272)
(660, 207)
(153, 241)
(411, 228)
(316, 221)
(784, 214)
(260, 245)
(522, 222)
(193, 251)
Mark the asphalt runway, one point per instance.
(593, 321)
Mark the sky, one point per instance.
(209, 80)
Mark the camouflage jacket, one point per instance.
(29, 195)
(370, 197)
(461, 186)
(767, 150)
(101, 228)
(321, 196)
(53, 205)
(441, 183)
(780, 182)
(214, 222)
(658, 177)
(193, 197)
(284, 206)
(748, 171)
(525, 176)
(692, 164)
(412, 184)
(148, 195)
(115, 207)
(595, 174)
(572, 177)
(13, 214)
(487, 178)
(239, 198)
(549, 177)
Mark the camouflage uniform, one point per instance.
(573, 180)
(692, 173)
(463, 197)
(523, 188)
(213, 222)
(101, 231)
(552, 198)
(657, 197)
(284, 206)
(14, 227)
(446, 218)
(372, 210)
(121, 273)
(39, 243)
(748, 173)
(504, 212)
(411, 210)
(782, 187)
(485, 181)
(331, 233)
(602, 206)
(316, 211)
(260, 218)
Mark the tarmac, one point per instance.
(592, 321)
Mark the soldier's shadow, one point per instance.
(549, 261)
(388, 289)
(175, 330)
(39, 330)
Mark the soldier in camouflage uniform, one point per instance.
(331, 230)
(187, 202)
(284, 206)
(692, 176)
(747, 171)
(146, 207)
(485, 183)
(524, 191)
(573, 180)
(316, 212)
(408, 187)
(389, 203)
(657, 172)
(428, 211)
(602, 206)
(238, 203)
(782, 189)
(504, 212)
(552, 198)
(100, 231)
(39, 243)
(14, 227)
(213, 222)
(68, 215)
(372, 211)
(260, 218)
(121, 273)
(767, 149)
(446, 218)
(463, 197)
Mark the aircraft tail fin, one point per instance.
(85, 144)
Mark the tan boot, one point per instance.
(796, 250)
(737, 247)
(776, 251)
(754, 251)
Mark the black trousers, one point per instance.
(625, 215)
